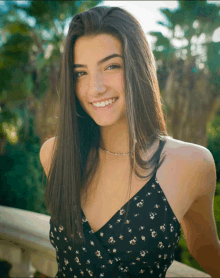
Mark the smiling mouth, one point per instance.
(105, 105)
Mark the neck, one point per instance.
(115, 138)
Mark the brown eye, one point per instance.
(76, 73)
(114, 66)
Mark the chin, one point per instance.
(105, 122)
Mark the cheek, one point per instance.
(115, 82)
(81, 90)
(80, 93)
(119, 84)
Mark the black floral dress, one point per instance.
(144, 248)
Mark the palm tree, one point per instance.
(31, 45)
(189, 75)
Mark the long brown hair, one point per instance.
(76, 136)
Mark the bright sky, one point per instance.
(147, 13)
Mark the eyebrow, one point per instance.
(100, 61)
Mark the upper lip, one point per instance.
(102, 99)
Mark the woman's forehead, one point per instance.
(97, 45)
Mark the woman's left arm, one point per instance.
(199, 222)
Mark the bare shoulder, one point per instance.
(187, 173)
(192, 175)
(46, 153)
(191, 161)
(188, 151)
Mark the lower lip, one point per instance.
(106, 108)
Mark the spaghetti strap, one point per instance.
(161, 145)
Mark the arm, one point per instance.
(198, 223)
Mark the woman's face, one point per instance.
(99, 78)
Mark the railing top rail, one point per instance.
(26, 222)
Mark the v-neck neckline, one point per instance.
(139, 191)
(114, 215)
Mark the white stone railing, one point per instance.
(24, 242)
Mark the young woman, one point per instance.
(110, 138)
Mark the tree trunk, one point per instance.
(191, 105)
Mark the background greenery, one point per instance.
(31, 44)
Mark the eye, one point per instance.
(113, 66)
(78, 73)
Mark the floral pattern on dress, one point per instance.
(145, 247)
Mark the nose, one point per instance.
(97, 84)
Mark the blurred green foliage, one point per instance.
(22, 174)
(27, 33)
(213, 132)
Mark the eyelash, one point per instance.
(113, 65)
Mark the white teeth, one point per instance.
(105, 103)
